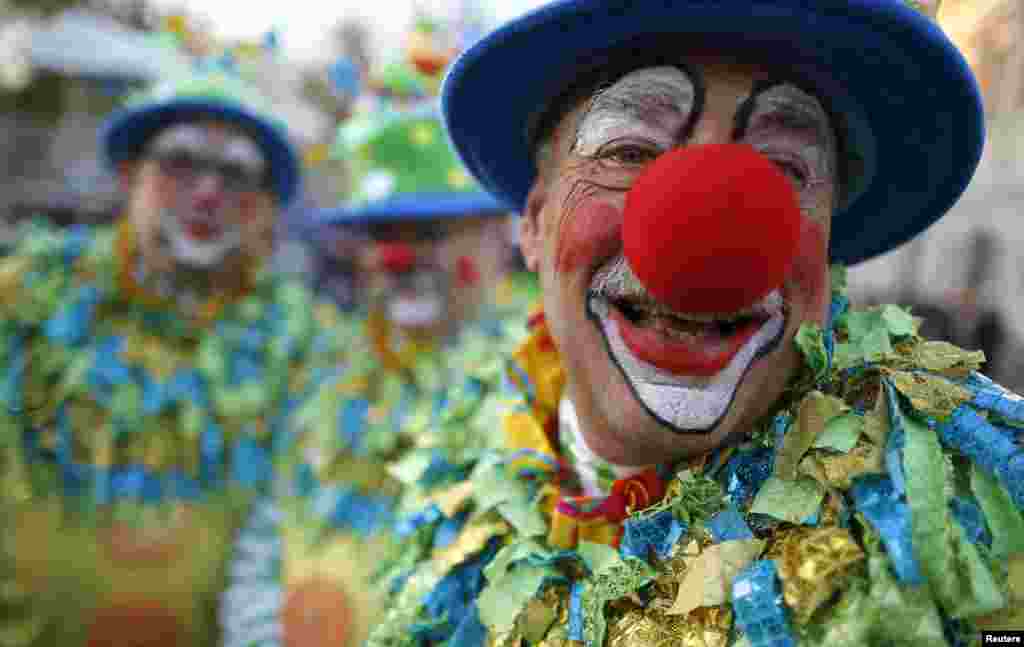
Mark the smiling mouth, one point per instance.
(685, 368)
(681, 343)
(201, 229)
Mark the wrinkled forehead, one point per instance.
(214, 139)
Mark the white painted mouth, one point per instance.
(688, 403)
(199, 254)
(416, 311)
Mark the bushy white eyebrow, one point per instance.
(798, 106)
(196, 140)
(244, 151)
(183, 136)
(647, 99)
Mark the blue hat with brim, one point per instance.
(417, 206)
(126, 132)
(906, 107)
(404, 169)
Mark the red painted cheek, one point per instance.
(591, 231)
(810, 269)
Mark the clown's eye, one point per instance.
(794, 171)
(628, 154)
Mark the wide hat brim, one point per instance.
(126, 133)
(416, 206)
(908, 106)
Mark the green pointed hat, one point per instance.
(404, 168)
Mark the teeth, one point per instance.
(658, 310)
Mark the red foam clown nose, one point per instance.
(396, 257)
(711, 228)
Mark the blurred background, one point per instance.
(65, 64)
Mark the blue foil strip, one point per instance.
(745, 473)
(153, 487)
(250, 463)
(970, 434)
(154, 396)
(438, 471)
(896, 439)
(993, 397)
(452, 599)
(187, 385)
(75, 241)
(127, 482)
(757, 603)
(470, 632)
(102, 487)
(576, 612)
(875, 496)
(183, 487)
(968, 514)
(352, 423)
(305, 482)
(245, 367)
(836, 309)
(11, 391)
(345, 508)
(211, 456)
(408, 525)
(448, 530)
(73, 319)
(729, 525)
(655, 534)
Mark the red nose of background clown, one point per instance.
(396, 257)
(711, 228)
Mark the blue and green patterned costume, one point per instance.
(304, 563)
(133, 440)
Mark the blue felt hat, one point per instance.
(907, 108)
(403, 169)
(204, 95)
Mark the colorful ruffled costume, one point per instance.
(304, 563)
(134, 439)
(880, 504)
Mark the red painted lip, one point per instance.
(201, 230)
(705, 355)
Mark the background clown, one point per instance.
(709, 446)
(428, 251)
(147, 370)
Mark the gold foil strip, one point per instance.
(811, 563)
(703, 627)
(469, 542)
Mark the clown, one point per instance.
(147, 369)
(427, 248)
(709, 446)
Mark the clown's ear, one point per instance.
(531, 240)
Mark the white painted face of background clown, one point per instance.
(651, 383)
(212, 168)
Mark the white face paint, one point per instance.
(195, 253)
(415, 312)
(687, 403)
(649, 106)
(187, 152)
